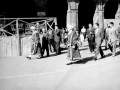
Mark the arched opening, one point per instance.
(86, 11)
(58, 8)
(110, 9)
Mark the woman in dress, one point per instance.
(73, 50)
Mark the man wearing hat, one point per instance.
(57, 40)
(119, 35)
(112, 41)
(35, 43)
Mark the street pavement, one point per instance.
(53, 73)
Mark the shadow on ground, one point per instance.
(82, 61)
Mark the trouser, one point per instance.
(98, 50)
(106, 43)
(119, 43)
(112, 47)
(51, 45)
(33, 48)
(91, 46)
(39, 49)
(45, 47)
(57, 47)
(84, 34)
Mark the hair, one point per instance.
(112, 23)
(97, 24)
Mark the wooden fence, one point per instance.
(15, 45)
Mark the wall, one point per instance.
(8, 46)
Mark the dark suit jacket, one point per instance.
(57, 35)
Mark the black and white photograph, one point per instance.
(59, 44)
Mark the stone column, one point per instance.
(96, 16)
(117, 16)
(72, 14)
(101, 17)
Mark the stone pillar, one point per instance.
(96, 16)
(101, 17)
(117, 16)
(72, 14)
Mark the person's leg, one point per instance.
(47, 49)
(110, 47)
(50, 44)
(106, 44)
(43, 49)
(101, 52)
(97, 51)
(114, 48)
(31, 51)
(119, 43)
(39, 50)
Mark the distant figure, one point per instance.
(73, 52)
(112, 41)
(91, 38)
(106, 36)
(119, 35)
(83, 30)
(51, 40)
(35, 43)
(57, 40)
(98, 41)
(82, 39)
(45, 42)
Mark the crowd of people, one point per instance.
(42, 40)
(50, 40)
(95, 37)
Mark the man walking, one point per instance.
(51, 40)
(91, 38)
(35, 43)
(119, 35)
(57, 40)
(98, 41)
(112, 39)
(45, 42)
(106, 36)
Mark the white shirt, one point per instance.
(96, 31)
(83, 30)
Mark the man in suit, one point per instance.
(106, 36)
(119, 35)
(91, 38)
(98, 41)
(51, 40)
(112, 41)
(57, 40)
(45, 42)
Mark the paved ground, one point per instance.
(52, 73)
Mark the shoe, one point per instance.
(90, 52)
(113, 55)
(103, 57)
(95, 59)
(28, 57)
(38, 57)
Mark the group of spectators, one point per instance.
(42, 40)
